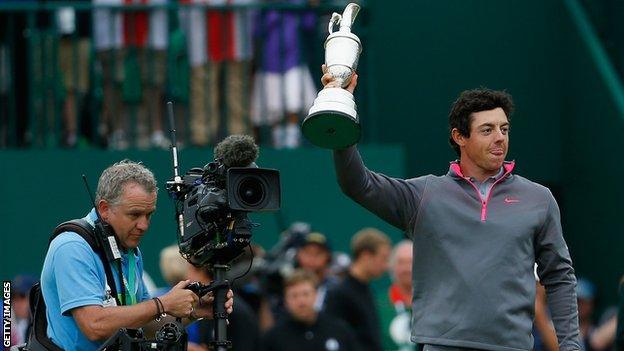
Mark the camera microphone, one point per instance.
(237, 150)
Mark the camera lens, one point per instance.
(251, 191)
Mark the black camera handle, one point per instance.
(201, 289)
(220, 287)
(220, 342)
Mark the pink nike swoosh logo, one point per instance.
(509, 200)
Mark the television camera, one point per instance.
(212, 202)
(211, 208)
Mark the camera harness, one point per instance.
(104, 244)
(96, 239)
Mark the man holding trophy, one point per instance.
(478, 230)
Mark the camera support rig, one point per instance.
(211, 207)
(220, 286)
(178, 188)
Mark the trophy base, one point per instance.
(332, 122)
(331, 129)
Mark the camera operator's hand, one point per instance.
(204, 308)
(179, 301)
(329, 81)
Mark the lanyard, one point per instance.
(127, 286)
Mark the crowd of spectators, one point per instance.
(98, 73)
(301, 294)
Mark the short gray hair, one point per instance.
(112, 180)
(396, 248)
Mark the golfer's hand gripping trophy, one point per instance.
(332, 121)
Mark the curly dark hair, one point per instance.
(476, 100)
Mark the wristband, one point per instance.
(160, 309)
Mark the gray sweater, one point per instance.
(474, 257)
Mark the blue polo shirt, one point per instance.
(73, 276)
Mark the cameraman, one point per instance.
(314, 255)
(81, 312)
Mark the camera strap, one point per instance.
(87, 232)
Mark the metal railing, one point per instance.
(80, 74)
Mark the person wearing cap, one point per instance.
(585, 292)
(20, 306)
(594, 336)
(314, 255)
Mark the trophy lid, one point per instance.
(346, 21)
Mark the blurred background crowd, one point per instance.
(97, 73)
(303, 294)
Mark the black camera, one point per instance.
(212, 202)
(211, 207)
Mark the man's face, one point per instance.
(130, 218)
(585, 308)
(378, 261)
(487, 145)
(299, 300)
(20, 305)
(313, 258)
(402, 270)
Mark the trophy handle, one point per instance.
(335, 20)
(348, 16)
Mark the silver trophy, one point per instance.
(332, 121)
